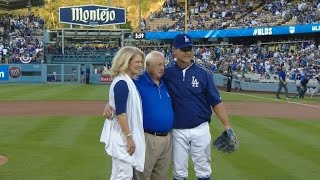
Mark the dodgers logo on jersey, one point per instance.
(194, 82)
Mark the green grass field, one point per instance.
(68, 147)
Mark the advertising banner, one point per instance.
(92, 15)
(4, 72)
(105, 78)
(241, 32)
(15, 72)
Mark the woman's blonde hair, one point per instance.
(120, 61)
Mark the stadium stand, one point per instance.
(19, 4)
(214, 14)
(93, 46)
(23, 39)
(253, 60)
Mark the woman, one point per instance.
(123, 135)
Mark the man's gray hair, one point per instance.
(150, 56)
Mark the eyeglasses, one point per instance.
(186, 49)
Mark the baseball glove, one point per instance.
(227, 141)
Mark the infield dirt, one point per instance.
(67, 108)
(3, 159)
(76, 108)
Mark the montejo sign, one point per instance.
(92, 15)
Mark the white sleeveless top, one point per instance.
(115, 141)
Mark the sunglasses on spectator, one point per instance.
(186, 49)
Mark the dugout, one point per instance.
(76, 54)
(62, 45)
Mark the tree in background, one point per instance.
(49, 12)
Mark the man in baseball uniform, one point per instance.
(194, 96)
(317, 85)
(303, 86)
(282, 82)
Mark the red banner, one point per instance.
(105, 78)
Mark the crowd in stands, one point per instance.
(82, 49)
(218, 14)
(300, 57)
(281, 12)
(24, 35)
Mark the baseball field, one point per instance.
(51, 132)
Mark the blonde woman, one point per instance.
(123, 134)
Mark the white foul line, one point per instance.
(290, 102)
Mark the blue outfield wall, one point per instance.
(51, 73)
(240, 32)
(4, 75)
(24, 73)
(79, 73)
(221, 81)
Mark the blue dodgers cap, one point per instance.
(182, 41)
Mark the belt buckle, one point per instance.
(160, 134)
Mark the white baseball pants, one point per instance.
(121, 170)
(317, 90)
(195, 142)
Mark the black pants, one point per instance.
(302, 91)
(229, 82)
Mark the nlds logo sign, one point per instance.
(262, 31)
(92, 15)
(315, 28)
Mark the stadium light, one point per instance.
(29, 6)
(185, 16)
(140, 15)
